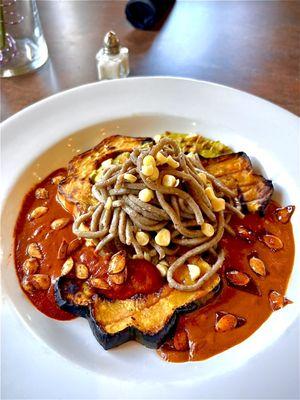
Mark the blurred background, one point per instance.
(249, 45)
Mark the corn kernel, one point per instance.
(155, 174)
(169, 181)
(149, 160)
(146, 195)
(163, 237)
(108, 203)
(203, 177)
(218, 204)
(142, 238)
(130, 178)
(147, 170)
(107, 163)
(173, 163)
(207, 229)
(194, 271)
(163, 269)
(161, 159)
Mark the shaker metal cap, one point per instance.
(111, 43)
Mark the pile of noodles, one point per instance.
(182, 210)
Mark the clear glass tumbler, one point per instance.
(22, 44)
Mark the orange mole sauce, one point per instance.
(204, 340)
(143, 277)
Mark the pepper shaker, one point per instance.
(112, 59)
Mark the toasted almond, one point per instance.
(41, 193)
(27, 285)
(40, 281)
(246, 234)
(258, 266)
(87, 290)
(99, 283)
(74, 245)
(37, 212)
(237, 278)
(117, 262)
(62, 251)
(181, 341)
(284, 214)
(118, 279)
(277, 300)
(57, 179)
(60, 223)
(67, 266)
(30, 266)
(34, 251)
(81, 271)
(226, 323)
(273, 242)
(81, 299)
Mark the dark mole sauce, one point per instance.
(143, 277)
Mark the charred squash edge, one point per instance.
(108, 341)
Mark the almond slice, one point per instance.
(238, 278)
(62, 251)
(34, 251)
(74, 245)
(277, 300)
(99, 283)
(30, 266)
(284, 214)
(245, 233)
(226, 321)
(118, 279)
(258, 266)
(273, 242)
(117, 262)
(67, 266)
(181, 341)
(82, 271)
(60, 223)
(40, 281)
(41, 193)
(37, 213)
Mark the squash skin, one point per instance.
(107, 340)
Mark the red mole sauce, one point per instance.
(203, 341)
(196, 337)
(143, 277)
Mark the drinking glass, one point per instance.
(22, 44)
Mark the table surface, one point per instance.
(252, 46)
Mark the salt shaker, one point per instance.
(112, 59)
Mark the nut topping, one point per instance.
(273, 242)
(37, 212)
(82, 271)
(99, 283)
(181, 341)
(74, 245)
(226, 321)
(57, 179)
(67, 266)
(118, 279)
(60, 223)
(277, 300)
(117, 262)
(30, 266)
(238, 278)
(40, 281)
(41, 193)
(258, 266)
(284, 214)
(62, 251)
(242, 281)
(245, 233)
(81, 299)
(34, 251)
(26, 285)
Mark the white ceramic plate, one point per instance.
(47, 134)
